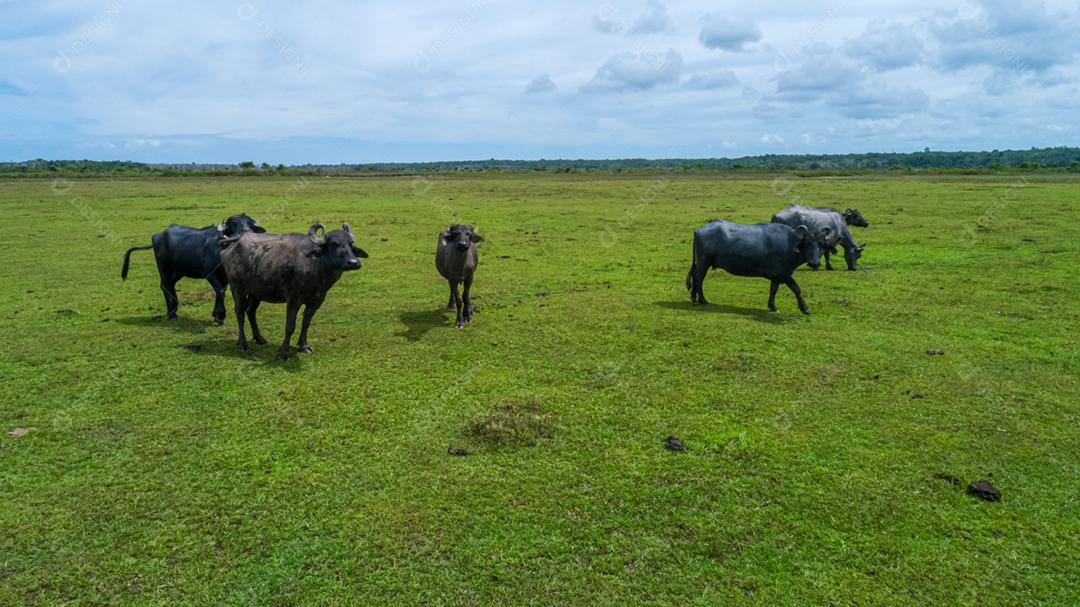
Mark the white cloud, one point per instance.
(887, 46)
(707, 81)
(636, 72)
(654, 20)
(541, 84)
(728, 33)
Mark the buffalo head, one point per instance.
(238, 224)
(461, 236)
(336, 247)
(852, 255)
(854, 218)
(811, 245)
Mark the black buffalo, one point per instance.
(456, 260)
(853, 217)
(184, 252)
(765, 250)
(293, 269)
(818, 218)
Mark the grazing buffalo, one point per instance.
(294, 269)
(456, 260)
(852, 217)
(183, 252)
(837, 223)
(766, 250)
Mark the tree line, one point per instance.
(1035, 159)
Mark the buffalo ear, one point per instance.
(862, 246)
(348, 232)
(257, 227)
(362, 254)
(826, 230)
(221, 226)
(477, 238)
(801, 232)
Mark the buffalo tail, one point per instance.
(127, 259)
(693, 266)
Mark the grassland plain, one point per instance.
(164, 467)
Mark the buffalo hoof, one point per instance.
(260, 340)
(460, 324)
(283, 353)
(172, 317)
(804, 310)
(773, 309)
(305, 348)
(219, 321)
(243, 346)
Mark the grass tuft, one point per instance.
(513, 424)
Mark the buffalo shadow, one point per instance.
(182, 324)
(420, 322)
(759, 314)
(261, 355)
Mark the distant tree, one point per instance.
(266, 166)
(247, 164)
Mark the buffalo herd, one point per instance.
(299, 269)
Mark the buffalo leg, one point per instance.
(309, 313)
(218, 283)
(466, 295)
(828, 264)
(458, 304)
(794, 286)
(172, 302)
(450, 302)
(168, 284)
(700, 270)
(291, 310)
(773, 286)
(240, 304)
(693, 285)
(252, 307)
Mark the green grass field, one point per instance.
(164, 467)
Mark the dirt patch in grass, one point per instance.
(513, 424)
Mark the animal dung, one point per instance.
(458, 451)
(674, 443)
(982, 489)
(936, 352)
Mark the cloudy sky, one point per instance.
(349, 81)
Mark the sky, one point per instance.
(353, 81)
